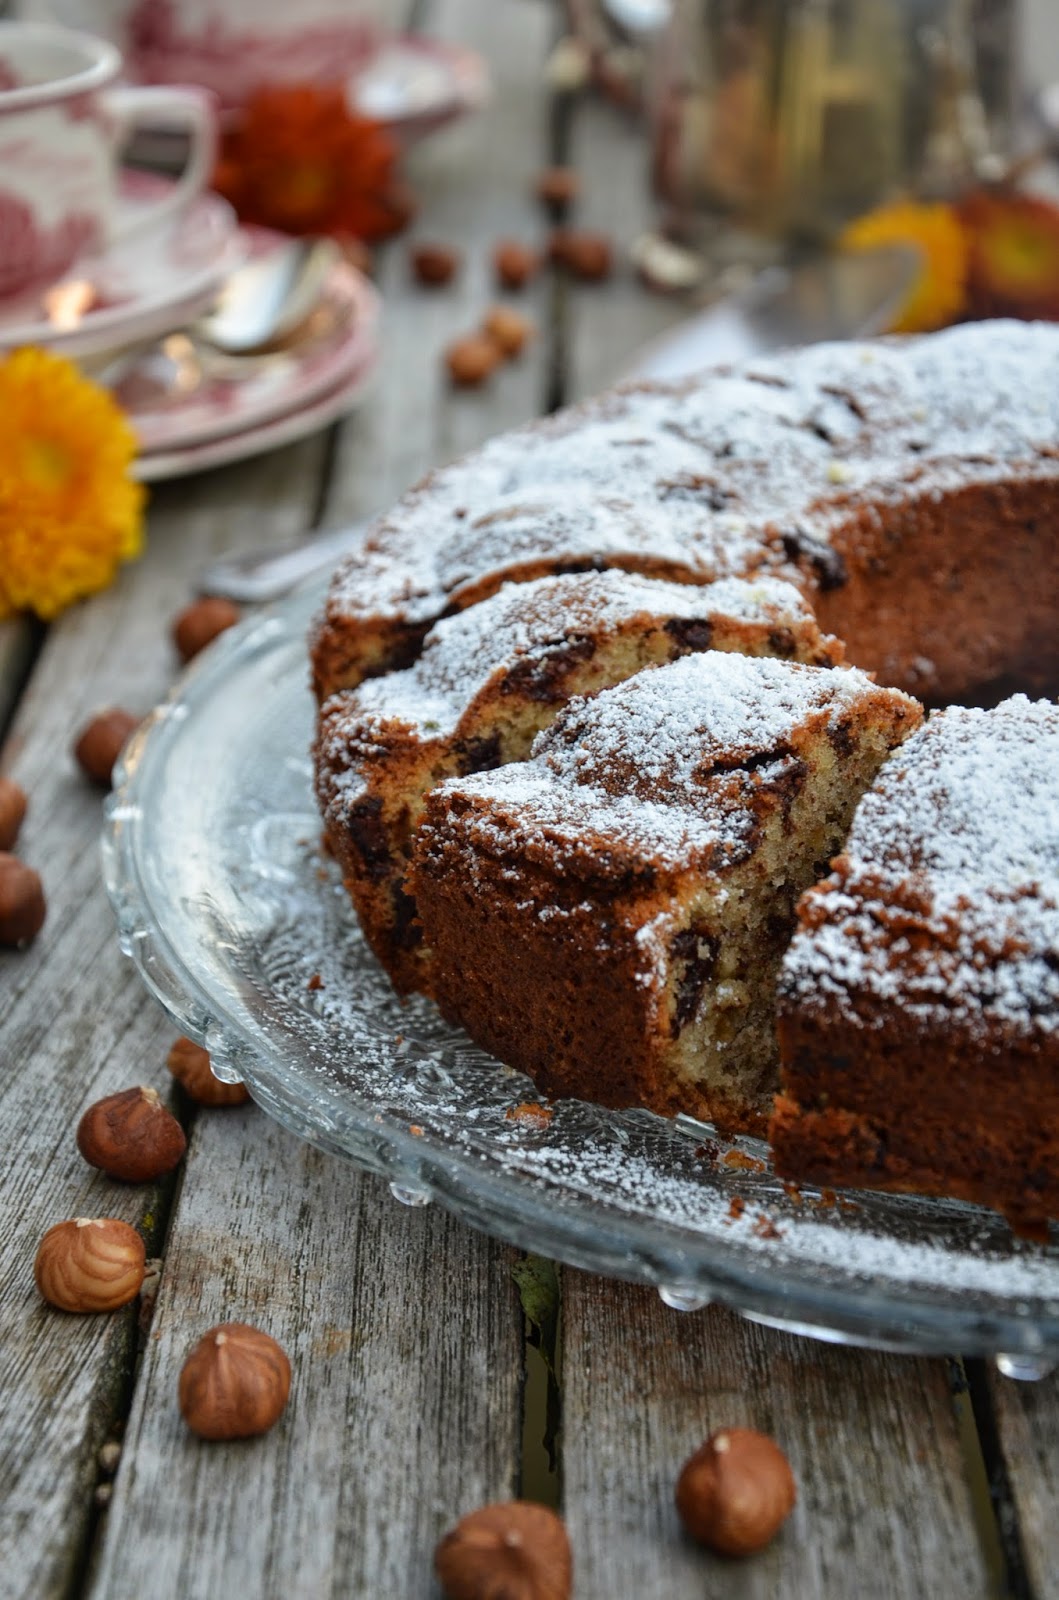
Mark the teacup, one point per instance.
(234, 46)
(63, 123)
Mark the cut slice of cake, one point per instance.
(919, 1001)
(488, 681)
(610, 915)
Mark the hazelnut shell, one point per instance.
(100, 743)
(513, 1549)
(472, 359)
(90, 1264)
(514, 264)
(131, 1135)
(22, 905)
(190, 1065)
(434, 264)
(12, 812)
(588, 256)
(234, 1383)
(508, 329)
(734, 1494)
(201, 622)
(557, 186)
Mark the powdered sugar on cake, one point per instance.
(947, 898)
(701, 479)
(662, 765)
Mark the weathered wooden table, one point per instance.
(417, 1392)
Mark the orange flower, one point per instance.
(300, 160)
(938, 295)
(1014, 255)
(69, 513)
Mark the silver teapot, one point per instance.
(788, 117)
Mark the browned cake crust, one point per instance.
(909, 488)
(488, 681)
(609, 916)
(919, 1001)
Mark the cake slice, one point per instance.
(610, 915)
(488, 681)
(919, 1001)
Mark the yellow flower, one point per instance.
(938, 295)
(69, 513)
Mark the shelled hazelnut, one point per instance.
(509, 330)
(557, 186)
(471, 360)
(200, 623)
(22, 905)
(90, 1264)
(588, 256)
(131, 1135)
(434, 265)
(12, 812)
(190, 1065)
(512, 1548)
(235, 1383)
(514, 264)
(736, 1491)
(100, 743)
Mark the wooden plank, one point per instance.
(884, 1507)
(18, 636)
(400, 1325)
(1026, 1474)
(474, 181)
(76, 1021)
(404, 1329)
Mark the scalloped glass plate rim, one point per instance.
(470, 1174)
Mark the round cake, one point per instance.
(908, 490)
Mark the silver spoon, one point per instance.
(835, 297)
(259, 307)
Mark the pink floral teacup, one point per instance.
(234, 46)
(63, 122)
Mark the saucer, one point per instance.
(415, 84)
(139, 286)
(172, 407)
(159, 465)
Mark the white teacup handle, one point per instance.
(193, 109)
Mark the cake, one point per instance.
(908, 488)
(488, 681)
(919, 1000)
(609, 915)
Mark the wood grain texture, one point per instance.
(403, 1333)
(474, 181)
(1027, 1435)
(76, 1022)
(883, 1513)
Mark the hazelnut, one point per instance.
(12, 812)
(90, 1264)
(508, 329)
(131, 1136)
(515, 1548)
(200, 623)
(557, 186)
(736, 1491)
(471, 360)
(514, 264)
(587, 255)
(434, 264)
(234, 1383)
(100, 743)
(22, 908)
(190, 1065)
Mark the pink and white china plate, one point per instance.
(159, 465)
(176, 397)
(136, 288)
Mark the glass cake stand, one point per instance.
(224, 902)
